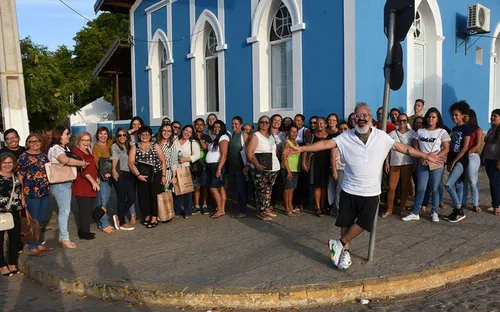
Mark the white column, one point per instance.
(12, 94)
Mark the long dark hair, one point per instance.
(497, 131)
(439, 124)
(223, 130)
(57, 134)
(159, 136)
(134, 119)
(127, 135)
(182, 130)
(473, 120)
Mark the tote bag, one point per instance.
(184, 182)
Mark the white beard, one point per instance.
(364, 129)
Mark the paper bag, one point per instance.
(165, 206)
(184, 182)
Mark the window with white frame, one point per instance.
(419, 56)
(281, 63)
(211, 73)
(164, 78)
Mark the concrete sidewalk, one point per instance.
(205, 262)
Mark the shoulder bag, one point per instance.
(59, 173)
(197, 167)
(434, 166)
(6, 219)
(30, 228)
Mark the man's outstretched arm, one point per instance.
(408, 150)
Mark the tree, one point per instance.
(47, 97)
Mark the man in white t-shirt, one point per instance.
(363, 151)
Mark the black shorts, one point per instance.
(357, 209)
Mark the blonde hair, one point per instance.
(80, 136)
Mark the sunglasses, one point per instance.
(364, 115)
(176, 127)
(34, 142)
(121, 135)
(403, 120)
(264, 122)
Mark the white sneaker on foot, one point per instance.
(345, 261)
(411, 217)
(435, 217)
(336, 248)
(116, 222)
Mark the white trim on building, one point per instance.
(198, 70)
(156, 112)
(494, 93)
(433, 70)
(349, 57)
(261, 23)
(132, 56)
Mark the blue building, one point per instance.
(255, 57)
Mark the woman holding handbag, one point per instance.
(102, 149)
(148, 155)
(36, 186)
(188, 151)
(86, 187)
(166, 139)
(432, 138)
(262, 148)
(62, 190)
(11, 202)
(125, 181)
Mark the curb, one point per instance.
(285, 297)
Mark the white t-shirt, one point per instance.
(55, 151)
(214, 156)
(267, 145)
(398, 159)
(430, 141)
(363, 163)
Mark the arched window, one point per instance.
(281, 62)
(160, 79)
(164, 79)
(211, 73)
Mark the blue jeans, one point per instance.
(103, 199)
(494, 176)
(38, 208)
(241, 188)
(471, 178)
(453, 185)
(187, 199)
(62, 194)
(425, 176)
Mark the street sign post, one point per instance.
(398, 18)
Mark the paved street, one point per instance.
(479, 294)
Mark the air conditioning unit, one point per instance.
(478, 19)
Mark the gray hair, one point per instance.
(362, 104)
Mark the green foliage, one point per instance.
(53, 78)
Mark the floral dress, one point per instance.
(35, 181)
(5, 193)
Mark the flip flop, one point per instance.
(216, 216)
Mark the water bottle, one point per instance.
(179, 155)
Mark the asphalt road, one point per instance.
(479, 294)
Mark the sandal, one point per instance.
(497, 211)
(132, 219)
(154, 224)
(319, 213)
(290, 213)
(217, 216)
(44, 248)
(108, 230)
(386, 214)
(491, 209)
(238, 215)
(477, 209)
(37, 253)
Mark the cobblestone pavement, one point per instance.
(480, 294)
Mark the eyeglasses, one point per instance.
(176, 127)
(402, 120)
(34, 142)
(364, 115)
(264, 122)
(12, 139)
(121, 135)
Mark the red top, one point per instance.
(473, 137)
(390, 126)
(82, 187)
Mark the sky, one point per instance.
(50, 23)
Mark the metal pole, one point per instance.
(387, 90)
(117, 96)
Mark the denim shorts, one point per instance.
(289, 184)
(210, 180)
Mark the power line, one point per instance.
(69, 7)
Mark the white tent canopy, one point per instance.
(97, 111)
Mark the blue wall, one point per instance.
(462, 78)
(323, 58)
(141, 61)
(238, 61)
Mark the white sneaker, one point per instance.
(345, 261)
(411, 217)
(336, 248)
(116, 222)
(435, 217)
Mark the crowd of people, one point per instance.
(335, 167)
